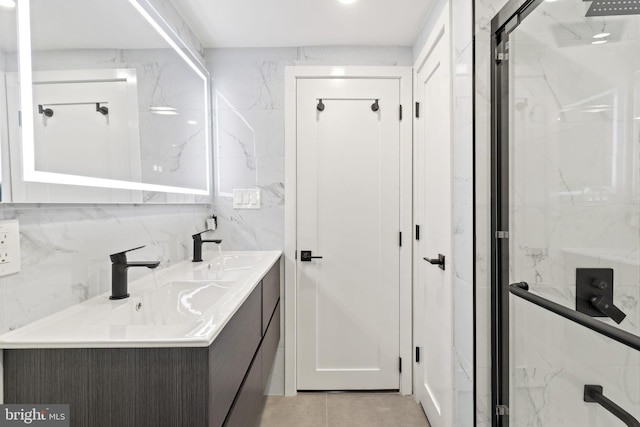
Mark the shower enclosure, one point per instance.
(566, 213)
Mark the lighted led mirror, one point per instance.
(106, 105)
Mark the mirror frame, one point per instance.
(30, 174)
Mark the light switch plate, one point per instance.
(9, 247)
(246, 198)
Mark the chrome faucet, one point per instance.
(197, 245)
(119, 269)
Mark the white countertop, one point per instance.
(184, 305)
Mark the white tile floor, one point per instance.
(343, 410)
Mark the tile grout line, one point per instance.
(326, 409)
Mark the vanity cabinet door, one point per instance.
(270, 294)
(270, 346)
(247, 410)
(230, 356)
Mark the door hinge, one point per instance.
(417, 354)
(20, 118)
(400, 238)
(417, 232)
(502, 234)
(417, 110)
(500, 56)
(502, 52)
(502, 410)
(400, 111)
(295, 256)
(400, 364)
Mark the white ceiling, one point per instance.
(81, 24)
(288, 23)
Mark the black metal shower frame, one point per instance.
(507, 19)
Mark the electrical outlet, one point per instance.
(212, 223)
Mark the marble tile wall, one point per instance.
(462, 26)
(248, 117)
(484, 10)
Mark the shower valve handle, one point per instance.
(606, 307)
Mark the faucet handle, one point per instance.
(122, 256)
(199, 235)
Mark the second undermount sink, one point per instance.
(227, 267)
(172, 303)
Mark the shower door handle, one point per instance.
(593, 394)
(436, 261)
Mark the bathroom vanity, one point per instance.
(196, 350)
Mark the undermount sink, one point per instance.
(172, 303)
(227, 267)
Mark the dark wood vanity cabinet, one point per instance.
(249, 402)
(222, 384)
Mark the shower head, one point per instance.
(613, 8)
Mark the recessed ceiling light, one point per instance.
(601, 35)
(8, 4)
(599, 42)
(192, 122)
(347, 1)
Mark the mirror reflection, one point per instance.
(8, 65)
(113, 110)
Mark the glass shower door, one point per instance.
(571, 206)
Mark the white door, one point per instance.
(433, 286)
(348, 212)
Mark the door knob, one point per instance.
(305, 256)
(436, 261)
